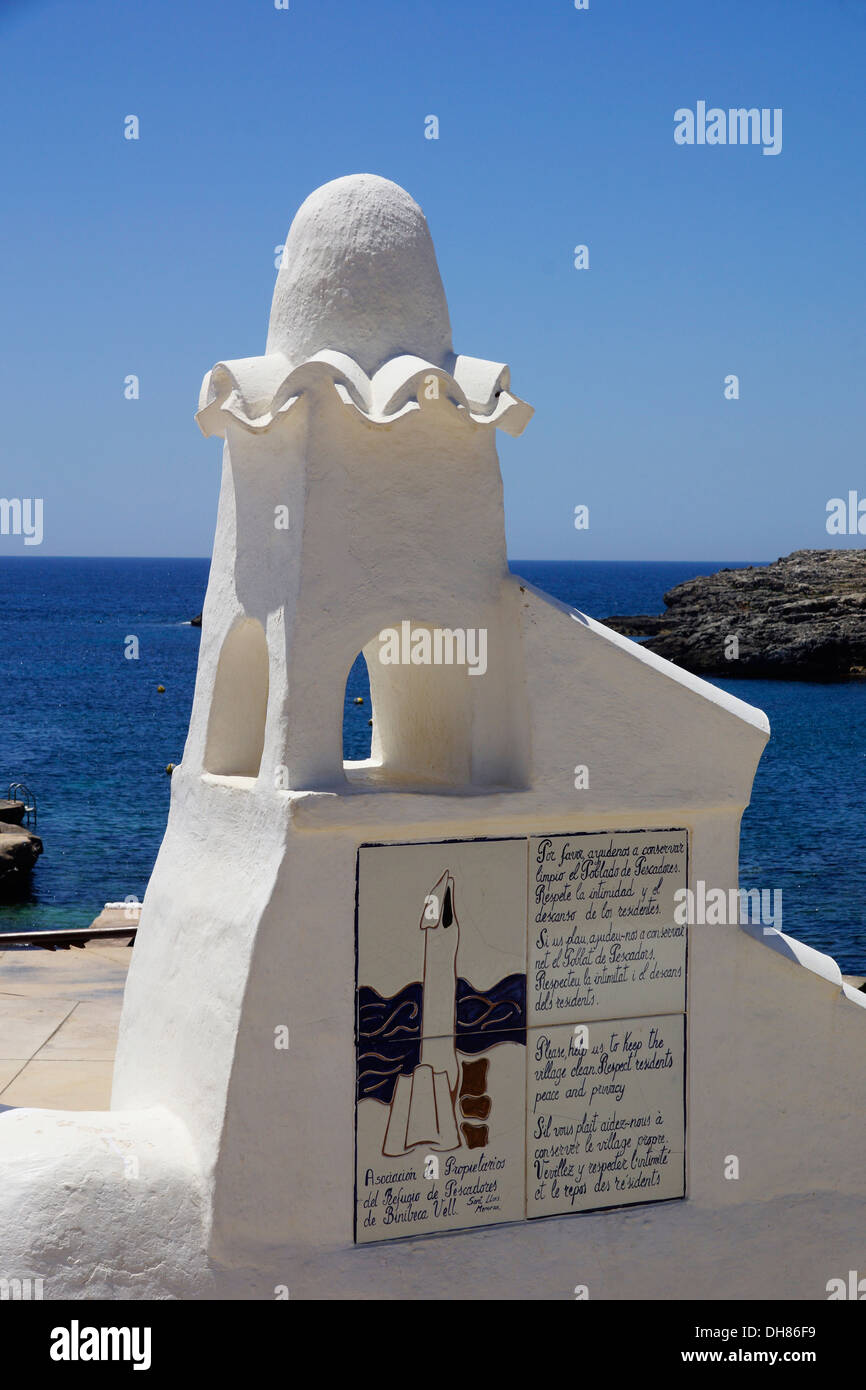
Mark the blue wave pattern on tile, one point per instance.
(389, 1029)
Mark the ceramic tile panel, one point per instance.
(442, 937)
(605, 1114)
(487, 1092)
(432, 1156)
(603, 940)
(441, 1029)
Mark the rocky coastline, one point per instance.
(803, 617)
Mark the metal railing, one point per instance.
(19, 791)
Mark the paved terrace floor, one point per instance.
(59, 1016)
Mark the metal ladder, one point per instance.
(19, 791)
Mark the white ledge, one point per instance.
(806, 956)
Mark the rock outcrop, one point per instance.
(802, 617)
(19, 850)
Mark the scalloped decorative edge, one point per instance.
(256, 391)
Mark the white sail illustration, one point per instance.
(422, 1107)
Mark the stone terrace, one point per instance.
(59, 1016)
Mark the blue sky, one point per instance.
(156, 256)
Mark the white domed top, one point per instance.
(359, 276)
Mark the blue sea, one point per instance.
(88, 731)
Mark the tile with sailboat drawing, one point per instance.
(441, 938)
(441, 1032)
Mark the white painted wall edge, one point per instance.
(806, 956)
(749, 714)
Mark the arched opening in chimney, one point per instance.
(236, 727)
